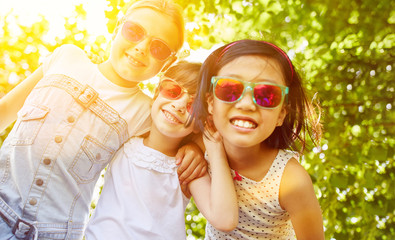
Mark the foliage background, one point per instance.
(344, 50)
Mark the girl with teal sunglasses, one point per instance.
(253, 104)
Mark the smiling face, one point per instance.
(242, 123)
(132, 62)
(169, 117)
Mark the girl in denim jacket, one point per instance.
(73, 116)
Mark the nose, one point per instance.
(142, 47)
(180, 105)
(246, 102)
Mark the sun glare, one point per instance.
(28, 11)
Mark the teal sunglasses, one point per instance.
(265, 94)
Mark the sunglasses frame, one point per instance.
(145, 35)
(251, 86)
(183, 90)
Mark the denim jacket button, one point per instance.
(47, 161)
(33, 201)
(39, 182)
(70, 119)
(58, 139)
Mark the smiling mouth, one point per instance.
(134, 62)
(171, 117)
(243, 123)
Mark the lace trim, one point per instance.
(148, 158)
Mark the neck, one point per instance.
(164, 144)
(108, 72)
(249, 158)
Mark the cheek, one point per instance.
(155, 107)
(219, 114)
(155, 66)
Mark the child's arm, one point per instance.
(13, 101)
(216, 196)
(298, 198)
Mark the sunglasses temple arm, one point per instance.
(286, 95)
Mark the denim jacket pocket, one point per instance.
(30, 120)
(91, 159)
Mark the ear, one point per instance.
(210, 103)
(281, 116)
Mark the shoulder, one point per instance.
(74, 53)
(298, 198)
(64, 58)
(71, 49)
(295, 176)
(132, 145)
(295, 184)
(127, 150)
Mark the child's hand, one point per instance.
(192, 163)
(213, 141)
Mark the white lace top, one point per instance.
(260, 213)
(141, 197)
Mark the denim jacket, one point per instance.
(52, 158)
(65, 135)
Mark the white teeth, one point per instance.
(243, 124)
(134, 61)
(171, 117)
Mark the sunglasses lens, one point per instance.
(160, 50)
(132, 32)
(268, 96)
(228, 90)
(170, 89)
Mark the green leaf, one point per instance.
(339, 180)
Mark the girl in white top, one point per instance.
(250, 92)
(141, 197)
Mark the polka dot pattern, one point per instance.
(260, 213)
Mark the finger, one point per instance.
(183, 176)
(186, 163)
(180, 155)
(203, 171)
(198, 172)
(195, 172)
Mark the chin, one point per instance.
(243, 143)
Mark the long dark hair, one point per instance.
(302, 118)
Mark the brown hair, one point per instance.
(185, 73)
